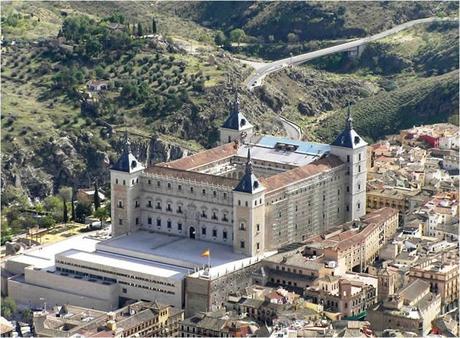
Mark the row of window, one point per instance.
(58, 261)
(133, 181)
(179, 227)
(192, 190)
(146, 287)
(179, 210)
(243, 245)
(348, 158)
(282, 268)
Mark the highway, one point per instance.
(261, 72)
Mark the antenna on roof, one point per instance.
(349, 122)
(236, 106)
(127, 143)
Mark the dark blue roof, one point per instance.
(348, 139)
(236, 121)
(127, 161)
(249, 182)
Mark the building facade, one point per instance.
(254, 196)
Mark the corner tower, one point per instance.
(125, 191)
(236, 126)
(352, 150)
(249, 213)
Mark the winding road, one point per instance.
(263, 69)
(293, 131)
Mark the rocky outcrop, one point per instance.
(306, 108)
(76, 161)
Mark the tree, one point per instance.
(8, 307)
(66, 195)
(292, 37)
(81, 211)
(140, 29)
(54, 205)
(237, 35)
(100, 72)
(72, 205)
(12, 195)
(220, 38)
(154, 26)
(65, 216)
(92, 46)
(27, 315)
(102, 214)
(6, 234)
(47, 222)
(97, 200)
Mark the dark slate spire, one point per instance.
(127, 161)
(348, 138)
(349, 123)
(127, 147)
(236, 105)
(249, 182)
(236, 119)
(249, 169)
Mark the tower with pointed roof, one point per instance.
(125, 191)
(352, 150)
(249, 213)
(236, 126)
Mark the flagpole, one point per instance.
(209, 259)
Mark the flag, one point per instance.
(206, 253)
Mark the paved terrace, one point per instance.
(170, 249)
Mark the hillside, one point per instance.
(424, 101)
(173, 89)
(275, 29)
(157, 91)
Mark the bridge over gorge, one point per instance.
(353, 47)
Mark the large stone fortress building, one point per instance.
(254, 193)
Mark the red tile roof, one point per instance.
(192, 175)
(203, 157)
(300, 173)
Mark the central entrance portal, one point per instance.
(192, 232)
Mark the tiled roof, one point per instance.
(192, 175)
(379, 216)
(414, 289)
(203, 157)
(350, 238)
(300, 173)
